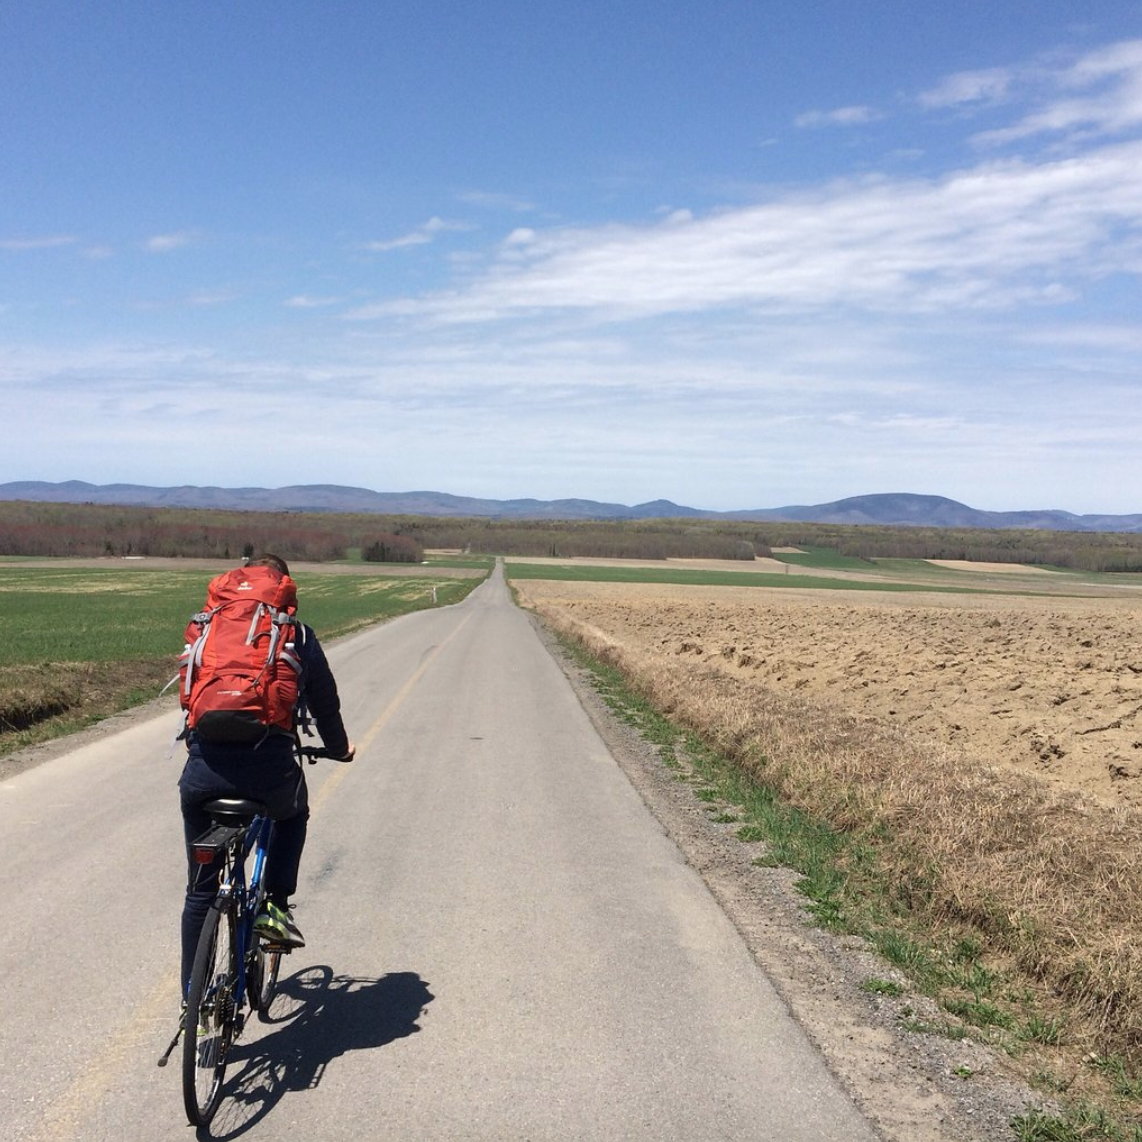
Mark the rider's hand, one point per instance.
(350, 753)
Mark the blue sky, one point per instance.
(733, 254)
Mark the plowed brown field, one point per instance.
(1045, 684)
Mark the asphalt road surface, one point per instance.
(502, 943)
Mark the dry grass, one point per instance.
(44, 701)
(1045, 878)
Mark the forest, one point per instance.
(60, 530)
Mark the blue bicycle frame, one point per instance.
(233, 966)
(233, 884)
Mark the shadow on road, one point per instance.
(317, 1016)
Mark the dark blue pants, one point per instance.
(268, 774)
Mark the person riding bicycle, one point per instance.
(264, 770)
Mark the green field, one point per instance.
(77, 644)
(83, 615)
(827, 558)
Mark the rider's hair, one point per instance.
(268, 560)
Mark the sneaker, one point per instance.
(203, 1022)
(277, 924)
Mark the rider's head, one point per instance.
(268, 560)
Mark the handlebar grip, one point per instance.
(313, 754)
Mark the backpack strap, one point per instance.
(194, 653)
(304, 721)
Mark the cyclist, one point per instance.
(264, 771)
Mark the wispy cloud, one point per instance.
(165, 243)
(970, 87)
(1092, 95)
(421, 236)
(205, 298)
(991, 236)
(839, 117)
(47, 242)
(1100, 95)
(305, 301)
(495, 200)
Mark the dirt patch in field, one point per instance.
(1046, 685)
(997, 568)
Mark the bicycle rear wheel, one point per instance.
(210, 1015)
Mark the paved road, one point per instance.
(503, 945)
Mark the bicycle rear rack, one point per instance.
(215, 841)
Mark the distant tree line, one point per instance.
(98, 530)
(1072, 550)
(95, 530)
(595, 539)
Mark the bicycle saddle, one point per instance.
(239, 807)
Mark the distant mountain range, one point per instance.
(895, 509)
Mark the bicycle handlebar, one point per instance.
(313, 753)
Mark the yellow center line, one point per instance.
(69, 1114)
(339, 775)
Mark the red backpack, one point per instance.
(240, 669)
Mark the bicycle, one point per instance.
(234, 966)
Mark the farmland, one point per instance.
(976, 725)
(1044, 683)
(82, 639)
(974, 755)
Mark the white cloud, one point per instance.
(495, 200)
(165, 243)
(803, 413)
(418, 237)
(304, 301)
(1097, 337)
(840, 117)
(992, 236)
(1098, 94)
(48, 242)
(1111, 60)
(205, 298)
(988, 86)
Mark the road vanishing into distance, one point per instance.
(502, 942)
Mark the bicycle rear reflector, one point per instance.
(207, 848)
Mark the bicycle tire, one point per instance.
(262, 962)
(210, 1015)
(265, 962)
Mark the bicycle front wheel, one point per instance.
(210, 1015)
(265, 960)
